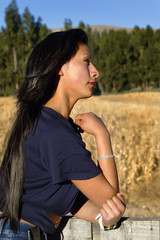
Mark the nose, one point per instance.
(94, 72)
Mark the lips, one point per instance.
(92, 83)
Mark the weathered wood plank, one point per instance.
(130, 229)
(134, 229)
(96, 232)
(77, 229)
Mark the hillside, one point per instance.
(99, 28)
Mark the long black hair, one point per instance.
(39, 85)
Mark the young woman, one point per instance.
(46, 170)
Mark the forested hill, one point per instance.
(99, 28)
(107, 28)
(127, 59)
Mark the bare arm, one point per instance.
(101, 190)
(111, 211)
(107, 165)
(105, 185)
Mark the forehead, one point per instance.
(83, 50)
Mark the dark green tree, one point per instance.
(125, 60)
(10, 36)
(16, 43)
(81, 25)
(67, 24)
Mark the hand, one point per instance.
(113, 210)
(91, 123)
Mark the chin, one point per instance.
(87, 95)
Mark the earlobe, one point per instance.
(60, 73)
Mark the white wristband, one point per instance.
(106, 156)
(99, 218)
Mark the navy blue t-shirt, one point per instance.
(54, 154)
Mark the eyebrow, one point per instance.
(87, 55)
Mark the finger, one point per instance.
(120, 205)
(116, 206)
(79, 117)
(121, 197)
(110, 203)
(108, 206)
(78, 120)
(111, 209)
(107, 216)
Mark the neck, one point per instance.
(61, 104)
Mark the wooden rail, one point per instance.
(129, 229)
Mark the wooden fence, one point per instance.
(129, 229)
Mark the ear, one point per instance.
(60, 73)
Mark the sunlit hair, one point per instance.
(40, 83)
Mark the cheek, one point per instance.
(81, 73)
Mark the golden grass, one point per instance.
(133, 121)
(7, 110)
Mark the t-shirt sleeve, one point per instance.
(66, 156)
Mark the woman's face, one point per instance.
(79, 74)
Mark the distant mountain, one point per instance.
(99, 28)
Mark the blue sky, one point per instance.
(120, 13)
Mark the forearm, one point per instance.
(111, 212)
(107, 165)
(88, 212)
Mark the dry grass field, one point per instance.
(133, 121)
